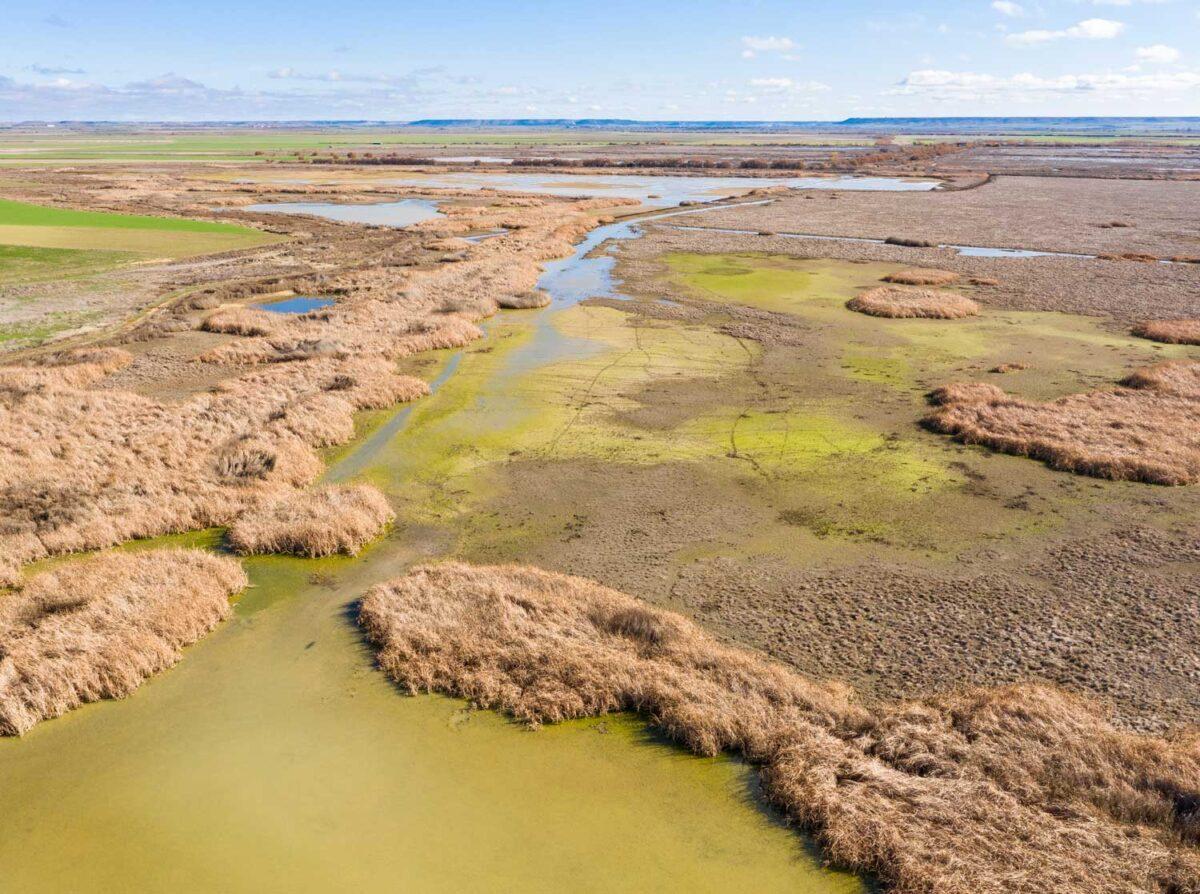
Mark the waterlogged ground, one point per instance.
(732, 411)
(276, 758)
(570, 427)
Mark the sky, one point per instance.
(697, 60)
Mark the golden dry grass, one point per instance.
(1172, 332)
(922, 276)
(902, 303)
(98, 627)
(85, 468)
(240, 321)
(525, 300)
(1148, 429)
(320, 522)
(1020, 789)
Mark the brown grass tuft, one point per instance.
(1008, 367)
(525, 300)
(896, 302)
(320, 522)
(965, 392)
(96, 628)
(1146, 430)
(983, 281)
(1021, 789)
(1171, 332)
(922, 276)
(241, 321)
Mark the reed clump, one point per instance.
(525, 300)
(241, 321)
(922, 276)
(312, 523)
(1146, 429)
(905, 303)
(84, 468)
(1020, 789)
(1171, 332)
(96, 628)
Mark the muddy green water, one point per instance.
(274, 757)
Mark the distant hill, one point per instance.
(960, 125)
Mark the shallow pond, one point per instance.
(301, 304)
(387, 214)
(656, 191)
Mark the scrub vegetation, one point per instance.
(97, 628)
(313, 523)
(1016, 789)
(1144, 430)
(1171, 332)
(922, 276)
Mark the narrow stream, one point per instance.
(969, 251)
(275, 757)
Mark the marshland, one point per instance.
(646, 525)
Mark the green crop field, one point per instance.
(20, 214)
(136, 236)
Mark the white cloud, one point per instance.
(965, 85)
(787, 85)
(1158, 53)
(752, 46)
(1088, 29)
(1008, 8)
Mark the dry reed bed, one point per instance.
(1014, 789)
(320, 522)
(98, 627)
(904, 303)
(1171, 332)
(1147, 429)
(85, 468)
(922, 276)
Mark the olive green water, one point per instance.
(275, 758)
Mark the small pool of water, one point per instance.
(301, 304)
(655, 191)
(388, 214)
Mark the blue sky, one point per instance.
(704, 59)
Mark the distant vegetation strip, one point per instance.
(23, 214)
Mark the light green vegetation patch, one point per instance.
(1065, 353)
(40, 226)
(36, 332)
(22, 214)
(25, 264)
